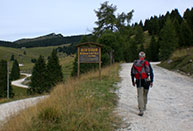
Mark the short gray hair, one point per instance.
(142, 54)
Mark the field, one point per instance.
(24, 55)
(5, 53)
(78, 104)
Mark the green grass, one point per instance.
(19, 93)
(67, 65)
(6, 53)
(65, 61)
(79, 104)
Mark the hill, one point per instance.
(49, 36)
(77, 104)
(181, 60)
(42, 41)
(26, 55)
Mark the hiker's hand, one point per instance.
(133, 83)
(151, 84)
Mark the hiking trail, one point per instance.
(170, 102)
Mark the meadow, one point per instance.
(78, 104)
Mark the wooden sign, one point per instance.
(89, 53)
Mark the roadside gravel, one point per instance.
(170, 105)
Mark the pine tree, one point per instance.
(168, 40)
(153, 50)
(188, 16)
(39, 78)
(3, 80)
(175, 15)
(15, 71)
(139, 35)
(132, 50)
(186, 35)
(141, 24)
(54, 70)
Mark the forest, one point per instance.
(159, 36)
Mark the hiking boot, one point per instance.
(140, 113)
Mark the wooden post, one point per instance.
(8, 80)
(78, 72)
(99, 63)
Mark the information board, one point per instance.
(89, 55)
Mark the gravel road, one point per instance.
(10, 108)
(18, 83)
(170, 105)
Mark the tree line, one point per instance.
(167, 33)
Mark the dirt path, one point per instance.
(170, 105)
(10, 108)
(18, 83)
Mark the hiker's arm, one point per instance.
(151, 73)
(132, 76)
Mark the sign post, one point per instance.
(89, 53)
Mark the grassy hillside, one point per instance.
(79, 104)
(181, 60)
(43, 41)
(25, 59)
(49, 36)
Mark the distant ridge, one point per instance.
(49, 36)
(42, 41)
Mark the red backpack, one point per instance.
(141, 69)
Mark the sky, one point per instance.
(33, 18)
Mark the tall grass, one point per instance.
(78, 104)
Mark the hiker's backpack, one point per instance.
(141, 69)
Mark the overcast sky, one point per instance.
(32, 18)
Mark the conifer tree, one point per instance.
(132, 50)
(38, 78)
(54, 70)
(186, 35)
(141, 24)
(141, 48)
(15, 71)
(139, 36)
(188, 16)
(175, 15)
(153, 50)
(3, 80)
(168, 40)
